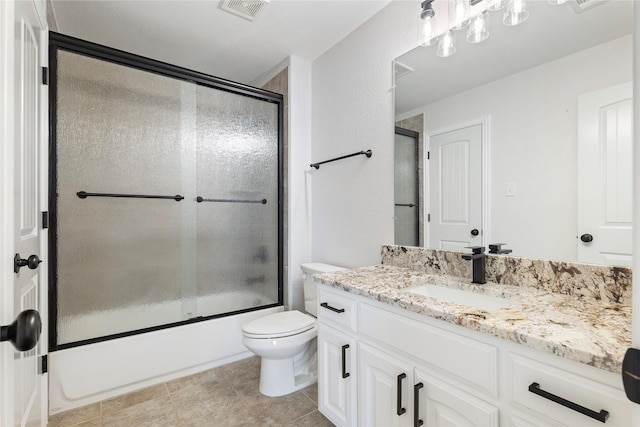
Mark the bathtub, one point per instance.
(90, 373)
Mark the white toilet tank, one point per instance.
(310, 288)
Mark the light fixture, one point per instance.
(425, 25)
(478, 28)
(446, 45)
(515, 13)
(556, 2)
(458, 14)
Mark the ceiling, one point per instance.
(199, 35)
(551, 32)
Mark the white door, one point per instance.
(441, 404)
(605, 141)
(455, 189)
(23, 42)
(384, 385)
(337, 378)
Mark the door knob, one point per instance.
(24, 332)
(586, 238)
(31, 262)
(475, 232)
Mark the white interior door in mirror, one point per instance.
(455, 188)
(605, 140)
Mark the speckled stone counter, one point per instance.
(586, 330)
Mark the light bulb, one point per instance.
(515, 13)
(425, 31)
(446, 45)
(497, 5)
(459, 13)
(478, 28)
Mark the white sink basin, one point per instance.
(457, 296)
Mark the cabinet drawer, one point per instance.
(572, 388)
(470, 362)
(337, 309)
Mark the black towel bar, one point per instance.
(84, 195)
(201, 199)
(367, 153)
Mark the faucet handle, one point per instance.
(476, 250)
(496, 248)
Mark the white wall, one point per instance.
(533, 143)
(352, 111)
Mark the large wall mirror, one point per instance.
(523, 139)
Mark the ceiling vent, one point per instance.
(247, 9)
(400, 70)
(580, 6)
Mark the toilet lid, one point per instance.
(279, 324)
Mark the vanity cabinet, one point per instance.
(407, 369)
(396, 392)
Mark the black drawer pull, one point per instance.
(337, 310)
(345, 374)
(400, 410)
(417, 422)
(600, 416)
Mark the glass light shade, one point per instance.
(425, 32)
(446, 45)
(478, 28)
(515, 13)
(458, 14)
(497, 5)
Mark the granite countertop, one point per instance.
(581, 329)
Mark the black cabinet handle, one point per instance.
(345, 374)
(337, 310)
(400, 410)
(417, 422)
(600, 416)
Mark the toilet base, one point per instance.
(277, 377)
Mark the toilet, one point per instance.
(286, 341)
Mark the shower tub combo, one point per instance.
(165, 220)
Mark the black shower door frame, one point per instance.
(66, 43)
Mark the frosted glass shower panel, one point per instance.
(406, 190)
(237, 151)
(119, 260)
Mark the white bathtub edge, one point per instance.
(83, 375)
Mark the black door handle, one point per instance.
(600, 416)
(586, 238)
(31, 262)
(345, 374)
(24, 332)
(475, 232)
(417, 422)
(399, 409)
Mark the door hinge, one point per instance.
(428, 217)
(428, 155)
(45, 220)
(45, 75)
(44, 364)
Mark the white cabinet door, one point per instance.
(441, 404)
(337, 376)
(384, 383)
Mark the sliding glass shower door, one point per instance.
(165, 196)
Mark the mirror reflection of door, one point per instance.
(605, 142)
(406, 178)
(455, 188)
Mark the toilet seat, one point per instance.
(279, 325)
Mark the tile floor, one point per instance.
(225, 396)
